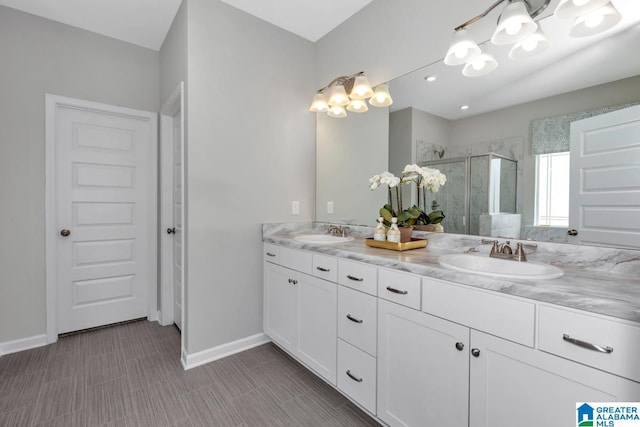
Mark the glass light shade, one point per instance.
(595, 22)
(319, 104)
(514, 25)
(361, 88)
(482, 65)
(337, 112)
(462, 48)
(575, 8)
(338, 96)
(381, 96)
(534, 44)
(358, 106)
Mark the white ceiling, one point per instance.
(570, 64)
(141, 22)
(310, 19)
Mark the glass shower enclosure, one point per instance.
(476, 186)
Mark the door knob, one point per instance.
(572, 232)
(171, 230)
(65, 233)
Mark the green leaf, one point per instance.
(436, 217)
(386, 214)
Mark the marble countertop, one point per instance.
(610, 287)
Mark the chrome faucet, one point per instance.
(338, 230)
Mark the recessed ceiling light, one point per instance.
(464, 107)
(431, 78)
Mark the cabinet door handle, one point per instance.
(324, 270)
(460, 346)
(396, 291)
(270, 254)
(354, 278)
(293, 281)
(587, 345)
(353, 319)
(353, 377)
(475, 352)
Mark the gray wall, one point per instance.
(40, 56)
(250, 153)
(173, 70)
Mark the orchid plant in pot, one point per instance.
(425, 179)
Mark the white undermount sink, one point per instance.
(322, 239)
(506, 269)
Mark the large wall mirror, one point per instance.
(425, 125)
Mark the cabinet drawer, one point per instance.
(295, 259)
(401, 288)
(358, 276)
(357, 319)
(504, 317)
(357, 375)
(604, 344)
(271, 253)
(325, 267)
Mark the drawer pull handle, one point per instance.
(353, 319)
(270, 254)
(587, 345)
(396, 291)
(293, 281)
(354, 278)
(353, 377)
(324, 270)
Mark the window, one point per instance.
(552, 189)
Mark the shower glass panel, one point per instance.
(492, 187)
(452, 197)
(476, 185)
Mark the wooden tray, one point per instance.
(413, 244)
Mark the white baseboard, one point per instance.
(205, 356)
(22, 344)
(154, 316)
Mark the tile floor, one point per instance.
(129, 375)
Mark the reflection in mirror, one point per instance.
(421, 124)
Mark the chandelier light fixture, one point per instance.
(351, 92)
(516, 27)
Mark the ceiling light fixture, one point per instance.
(351, 92)
(516, 26)
(481, 65)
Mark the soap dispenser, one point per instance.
(393, 235)
(380, 233)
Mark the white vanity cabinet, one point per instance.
(512, 382)
(300, 311)
(423, 368)
(417, 351)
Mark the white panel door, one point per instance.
(605, 179)
(177, 220)
(102, 208)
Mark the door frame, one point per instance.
(52, 102)
(173, 105)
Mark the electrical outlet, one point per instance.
(329, 207)
(295, 207)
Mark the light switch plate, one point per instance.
(295, 207)
(329, 207)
